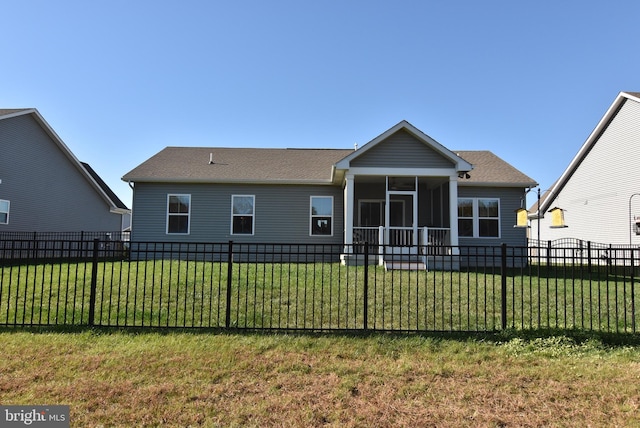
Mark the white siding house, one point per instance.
(599, 192)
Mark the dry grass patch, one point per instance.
(181, 379)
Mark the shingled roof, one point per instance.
(105, 188)
(290, 166)
(232, 165)
(489, 169)
(8, 111)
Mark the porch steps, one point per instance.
(405, 263)
(442, 263)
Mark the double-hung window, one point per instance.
(322, 215)
(242, 214)
(4, 212)
(479, 217)
(178, 214)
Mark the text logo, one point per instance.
(34, 416)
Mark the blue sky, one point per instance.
(120, 80)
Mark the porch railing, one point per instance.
(401, 236)
(366, 234)
(437, 240)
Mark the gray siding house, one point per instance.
(599, 192)
(400, 189)
(44, 188)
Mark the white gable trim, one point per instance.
(582, 153)
(407, 172)
(460, 164)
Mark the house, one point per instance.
(44, 187)
(402, 188)
(598, 194)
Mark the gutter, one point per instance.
(527, 185)
(231, 181)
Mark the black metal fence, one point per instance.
(317, 287)
(33, 246)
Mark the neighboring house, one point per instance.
(599, 192)
(44, 188)
(401, 188)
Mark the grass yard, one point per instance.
(177, 379)
(315, 296)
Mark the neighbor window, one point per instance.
(479, 217)
(242, 214)
(178, 213)
(322, 215)
(4, 212)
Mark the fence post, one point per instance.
(633, 293)
(227, 321)
(94, 283)
(503, 279)
(34, 243)
(366, 285)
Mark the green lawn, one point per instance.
(314, 296)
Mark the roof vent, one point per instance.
(210, 158)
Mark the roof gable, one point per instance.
(402, 150)
(92, 178)
(436, 152)
(551, 194)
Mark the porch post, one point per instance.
(453, 209)
(348, 211)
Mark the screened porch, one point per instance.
(402, 211)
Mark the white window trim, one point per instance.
(188, 214)
(253, 215)
(8, 210)
(476, 218)
(311, 216)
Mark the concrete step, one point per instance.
(405, 266)
(404, 263)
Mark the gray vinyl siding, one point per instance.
(597, 197)
(510, 200)
(47, 191)
(401, 150)
(282, 213)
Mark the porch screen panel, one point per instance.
(371, 213)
